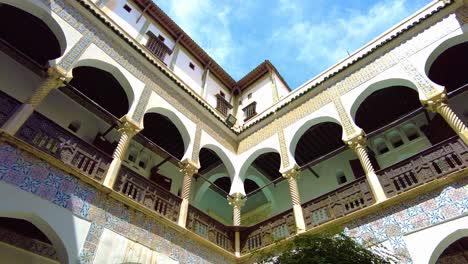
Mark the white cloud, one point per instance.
(208, 23)
(326, 42)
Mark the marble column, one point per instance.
(291, 176)
(236, 200)
(188, 168)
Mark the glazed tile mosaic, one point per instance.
(391, 225)
(40, 178)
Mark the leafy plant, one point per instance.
(321, 249)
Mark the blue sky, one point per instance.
(300, 37)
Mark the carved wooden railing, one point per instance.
(157, 47)
(207, 227)
(147, 193)
(437, 161)
(340, 202)
(268, 231)
(8, 106)
(222, 105)
(51, 138)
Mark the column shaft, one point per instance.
(128, 129)
(53, 81)
(358, 145)
(188, 169)
(291, 176)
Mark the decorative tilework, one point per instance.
(196, 143)
(344, 117)
(425, 210)
(283, 149)
(142, 103)
(421, 81)
(76, 51)
(36, 176)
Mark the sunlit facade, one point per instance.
(123, 141)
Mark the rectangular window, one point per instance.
(249, 96)
(127, 8)
(250, 111)
(222, 105)
(156, 46)
(192, 66)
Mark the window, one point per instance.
(340, 177)
(250, 111)
(192, 66)
(222, 94)
(132, 155)
(161, 38)
(222, 105)
(380, 146)
(143, 162)
(74, 125)
(201, 228)
(249, 96)
(240, 102)
(280, 232)
(127, 8)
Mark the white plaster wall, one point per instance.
(261, 93)
(66, 231)
(193, 78)
(127, 21)
(213, 86)
(426, 245)
(282, 89)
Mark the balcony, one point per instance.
(157, 47)
(439, 160)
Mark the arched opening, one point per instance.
(102, 88)
(22, 242)
(457, 252)
(163, 132)
(449, 68)
(30, 35)
(385, 106)
(318, 141)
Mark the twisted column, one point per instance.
(188, 168)
(358, 145)
(438, 104)
(236, 200)
(292, 175)
(128, 129)
(54, 80)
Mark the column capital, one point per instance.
(435, 102)
(292, 173)
(236, 200)
(129, 126)
(188, 167)
(358, 141)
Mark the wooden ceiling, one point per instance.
(161, 131)
(29, 34)
(101, 87)
(449, 69)
(269, 165)
(385, 106)
(318, 141)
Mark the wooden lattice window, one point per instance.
(250, 110)
(222, 105)
(157, 46)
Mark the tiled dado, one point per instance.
(393, 224)
(36, 176)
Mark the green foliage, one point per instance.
(321, 249)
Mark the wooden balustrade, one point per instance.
(268, 231)
(250, 111)
(51, 138)
(8, 106)
(207, 227)
(437, 161)
(157, 47)
(147, 193)
(338, 203)
(222, 105)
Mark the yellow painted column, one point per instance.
(439, 104)
(292, 175)
(128, 129)
(54, 80)
(236, 200)
(188, 168)
(358, 145)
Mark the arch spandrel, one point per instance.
(226, 160)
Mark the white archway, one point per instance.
(447, 241)
(223, 156)
(44, 15)
(305, 126)
(447, 44)
(114, 71)
(176, 121)
(379, 86)
(251, 158)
